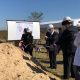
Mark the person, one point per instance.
(21, 43)
(27, 39)
(67, 45)
(48, 33)
(77, 56)
(52, 39)
(60, 33)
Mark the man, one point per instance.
(52, 39)
(77, 55)
(67, 46)
(27, 39)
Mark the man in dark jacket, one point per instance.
(67, 46)
(52, 40)
(27, 39)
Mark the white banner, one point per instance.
(16, 28)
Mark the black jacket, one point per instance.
(48, 35)
(53, 38)
(27, 38)
(67, 39)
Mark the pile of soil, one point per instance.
(14, 65)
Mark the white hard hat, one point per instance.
(29, 30)
(78, 24)
(67, 18)
(51, 26)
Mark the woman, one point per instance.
(77, 57)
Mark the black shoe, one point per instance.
(53, 67)
(65, 77)
(73, 76)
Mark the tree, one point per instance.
(35, 16)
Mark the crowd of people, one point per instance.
(67, 40)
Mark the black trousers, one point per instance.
(77, 72)
(29, 49)
(52, 56)
(68, 65)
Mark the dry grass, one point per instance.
(3, 34)
(42, 56)
(44, 60)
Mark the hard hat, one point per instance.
(67, 18)
(25, 29)
(78, 24)
(29, 30)
(51, 26)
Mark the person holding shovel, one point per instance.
(27, 40)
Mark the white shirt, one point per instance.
(52, 32)
(77, 54)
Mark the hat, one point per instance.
(78, 24)
(66, 20)
(29, 30)
(51, 26)
(25, 29)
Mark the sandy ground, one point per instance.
(14, 65)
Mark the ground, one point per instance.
(42, 56)
(44, 60)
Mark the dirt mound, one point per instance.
(14, 67)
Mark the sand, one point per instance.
(13, 66)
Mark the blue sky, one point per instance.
(52, 9)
